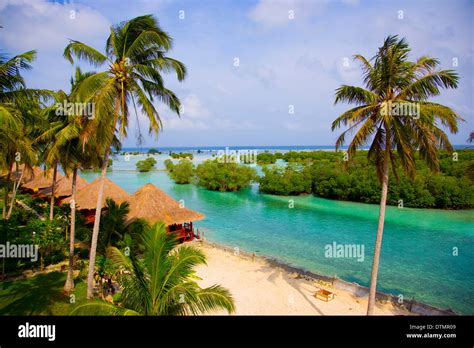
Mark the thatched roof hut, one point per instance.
(30, 173)
(152, 204)
(86, 198)
(64, 187)
(41, 180)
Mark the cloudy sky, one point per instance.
(261, 72)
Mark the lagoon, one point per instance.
(427, 254)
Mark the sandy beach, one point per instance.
(259, 288)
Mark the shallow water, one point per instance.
(417, 254)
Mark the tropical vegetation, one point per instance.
(393, 114)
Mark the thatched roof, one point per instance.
(86, 198)
(41, 180)
(152, 204)
(29, 175)
(64, 187)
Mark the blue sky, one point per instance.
(283, 63)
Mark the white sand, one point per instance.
(261, 289)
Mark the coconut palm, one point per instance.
(115, 230)
(11, 121)
(69, 149)
(135, 52)
(394, 84)
(162, 281)
(471, 137)
(19, 117)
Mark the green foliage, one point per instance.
(452, 188)
(154, 152)
(50, 238)
(169, 164)
(183, 172)
(266, 158)
(181, 155)
(224, 176)
(151, 160)
(116, 231)
(162, 281)
(146, 165)
(286, 181)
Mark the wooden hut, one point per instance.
(152, 204)
(86, 198)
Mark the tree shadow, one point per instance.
(34, 296)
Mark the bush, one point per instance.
(181, 155)
(286, 181)
(224, 176)
(169, 164)
(183, 172)
(453, 188)
(146, 165)
(266, 158)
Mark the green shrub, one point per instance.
(224, 176)
(183, 172)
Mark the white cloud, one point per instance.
(193, 108)
(47, 26)
(273, 13)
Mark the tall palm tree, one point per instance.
(11, 121)
(71, 151)
(392, 83)
(19, 114)
(162, 282)
(135, 52)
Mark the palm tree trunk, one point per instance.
(51, 209)
(16, 185)
(378, 238)
(69, 285)
(5, 194)
(95, 230)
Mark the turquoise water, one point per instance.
(417, 254)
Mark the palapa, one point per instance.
(152, 204)
(86, 198)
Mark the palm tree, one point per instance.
(136, 54)
(471, 137)
(19, 115)
(162, 282)
(11, 122)
(115, 230)
(71, 151)
(392, 84)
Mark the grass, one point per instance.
(40, 295)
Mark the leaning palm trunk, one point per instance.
(378, 238)
(69, 285)
(51, 209)
(95, 231)
(5, 194)
(16, 185)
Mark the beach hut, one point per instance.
(30, 173)
(64, 187)
(86, 198)
(39, 180)
(152, 204)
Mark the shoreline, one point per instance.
(238, 267)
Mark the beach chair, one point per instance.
(324, 295)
